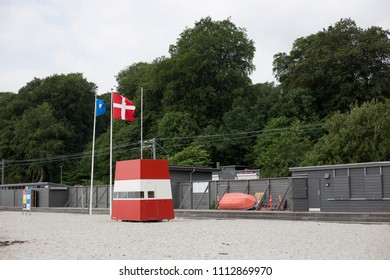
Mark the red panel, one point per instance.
(154, 169)
(165, 209)
(128, 169)
(143, 210)
(142, 169)
(126, 210)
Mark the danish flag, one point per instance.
(123, 108)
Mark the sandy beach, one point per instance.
(64, 236)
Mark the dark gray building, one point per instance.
(44, 194)
(236, 172)
(357, 187)
(187, 174)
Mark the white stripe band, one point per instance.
(161, 187)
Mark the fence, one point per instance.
(79, 196)
(186, 195)
(206, 195)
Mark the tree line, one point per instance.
(331, 105)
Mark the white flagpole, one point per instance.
(93, 158)
(142, 140)
(110, 188)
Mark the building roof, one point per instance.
(340, 166)
(36, 185)
(193, 168)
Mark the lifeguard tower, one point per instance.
(142, 191)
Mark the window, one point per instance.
(150, 194)
(120, 194)
(129, 195)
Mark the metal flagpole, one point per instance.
(142, 140)
(93, 159)
(110, 188)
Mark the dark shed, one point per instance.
(45, 194)
(180, 173)
(355, 187)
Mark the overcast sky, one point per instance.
(98, 38)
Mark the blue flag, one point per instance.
(100, 107)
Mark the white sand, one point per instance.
(57, 236)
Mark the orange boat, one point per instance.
(238, 201)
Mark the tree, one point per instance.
(251, 109)
(144, 75)
(176, 129)
(132, 77)
(362, 135)
(236, 140)
(72, 99)
(7, 123)
(192, 155)
(48, 118)
(280, 146)
(342, 65)
(297, 103)
(40, 136)
(207, 63)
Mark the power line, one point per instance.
(255, 132)
(105, 151)
(98, 152)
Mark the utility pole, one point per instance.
(2, 171)
(61, 174)
(154, 148)
(142, 137)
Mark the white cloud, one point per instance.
(99, 38)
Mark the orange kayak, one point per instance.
(237, 201)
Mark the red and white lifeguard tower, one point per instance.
(142, 191)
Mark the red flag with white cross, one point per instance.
(123, 108)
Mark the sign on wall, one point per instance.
(27, 200)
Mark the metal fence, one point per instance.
(206, 195)
(186, 195)
(79, 196)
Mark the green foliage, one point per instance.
(131, 80)
(48, 117)
(192, 155)
(39, 135)
(298, 103)
(250, 111)
(176, 129)
(280, 146)
(362, 135)
(72, 100)
(341, 65)
(132, 77)
(7, 123)
(208, 62)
